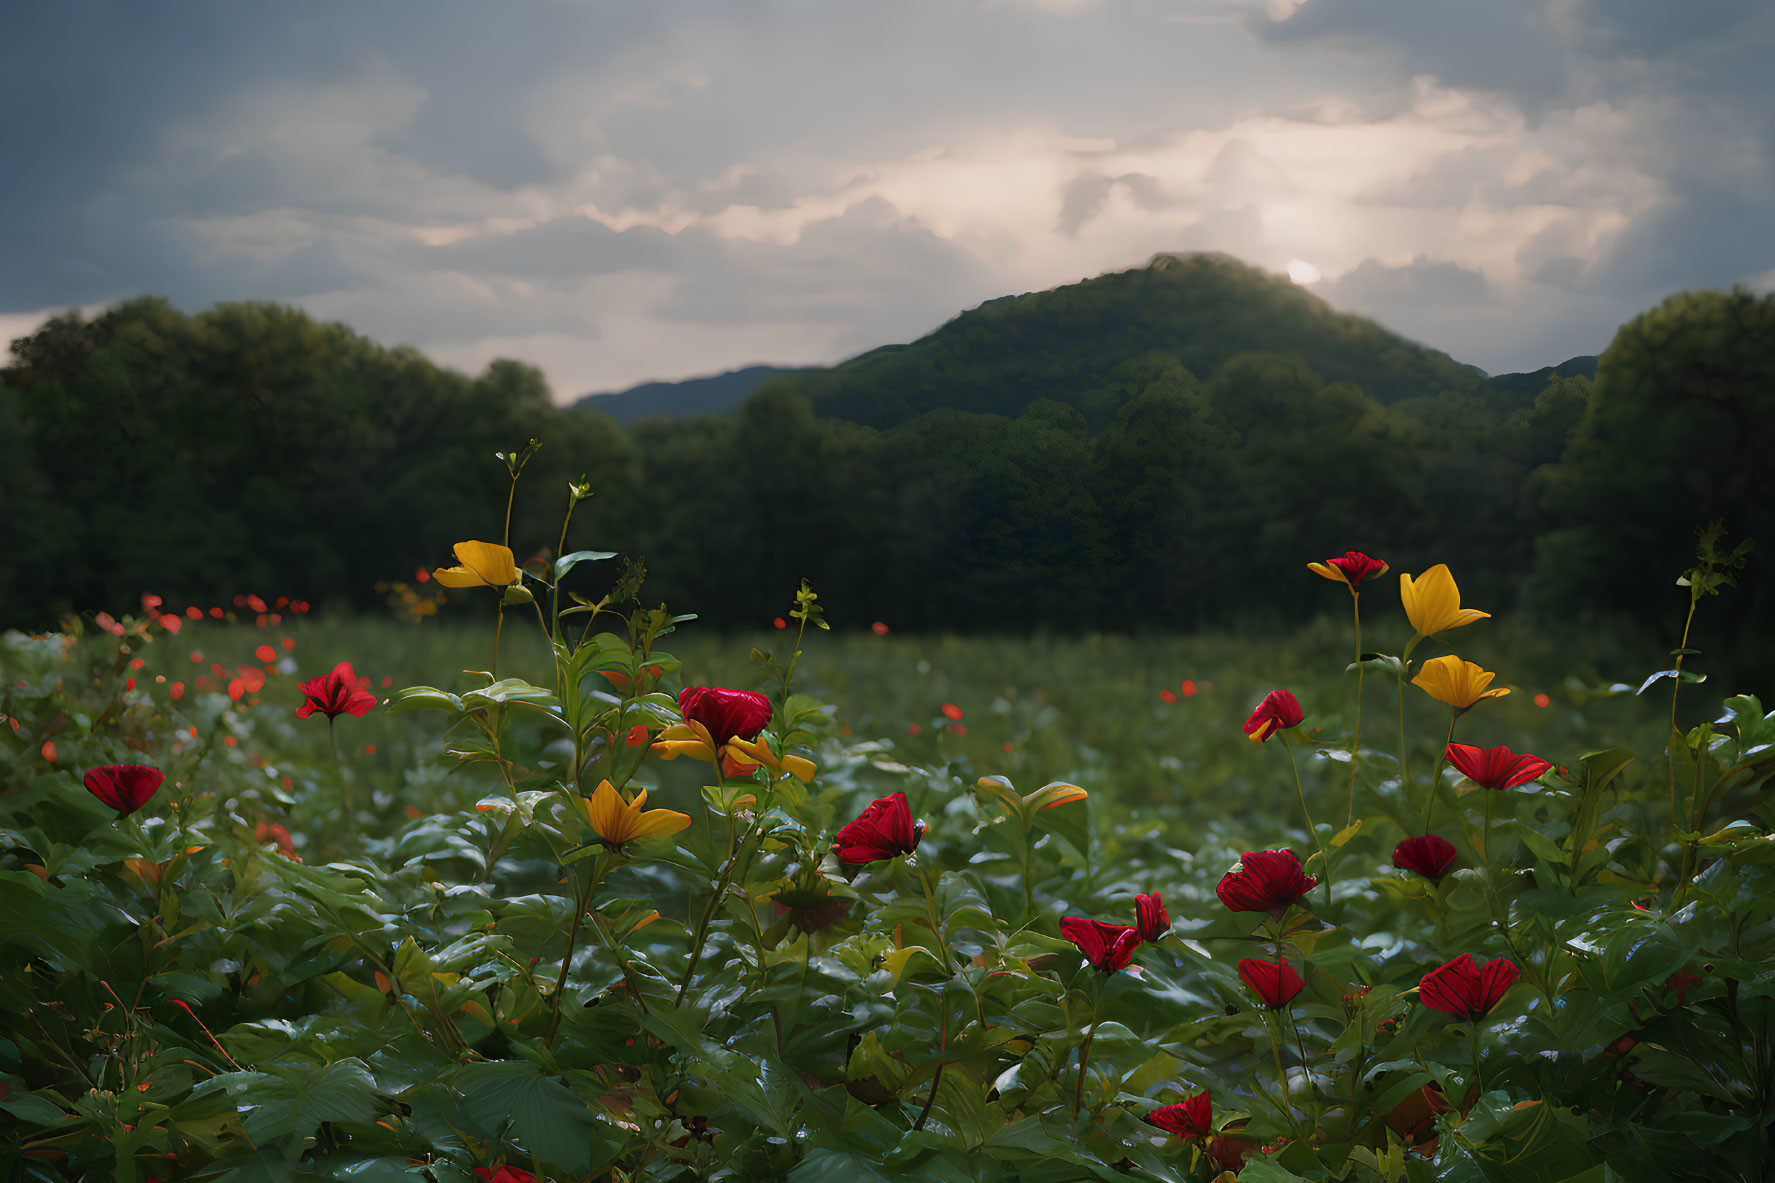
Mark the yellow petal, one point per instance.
(1327, 571)
(489, 560)
(1432, 602)
(1458, 683)
(759, 752)
(659, 821)
(696, 749)
(605, 813)
(458, 577)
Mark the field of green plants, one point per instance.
(547, 887)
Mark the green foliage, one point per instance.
(1119, 453)
(457, 963)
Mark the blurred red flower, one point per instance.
(1108, 947)
(725, 714)
(506, 1174)
(1496, 768)
(1428, 855)
(1277, 710)
(1274, 982)
(952, 712)
(883, 830)
(1150, 917)
(1192, 1118)
(1265, 881)
(880, 629)
(1465, 989)
(124, 787)
(275, 833)
(334, 694)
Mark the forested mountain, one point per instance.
(715, 395)
(1070, 459)
(1066, 344)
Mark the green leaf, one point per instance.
(297, 1100)
(545, 1116)
(33, 1108)
(567, 563)
(422, 698)
(838, 1166)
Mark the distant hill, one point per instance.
(715, 395)
(1521, 389)
(1067, 343)
(1063, 344)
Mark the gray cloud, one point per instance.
(650, 190)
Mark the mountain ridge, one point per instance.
(1065, 344)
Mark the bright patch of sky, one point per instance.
(619, 192)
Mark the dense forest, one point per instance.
(1126, 452)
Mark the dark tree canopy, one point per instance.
(1123, 453)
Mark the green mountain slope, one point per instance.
(715, 395)
(1063, 344)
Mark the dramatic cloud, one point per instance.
(617, 192)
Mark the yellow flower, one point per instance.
(1458, 683)
(1433, 603)
(484, 564)
(689, 738)
(758, 751)
(617, 821)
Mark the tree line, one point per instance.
(249, 448)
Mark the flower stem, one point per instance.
(1478, 1078)
(1676, 684)
(1441, 762)
(1324, 855)
(1078, 1092)
(1356, 736)
(931, 918)
(1312, 1089)
(581, 900)
(1281, 1076)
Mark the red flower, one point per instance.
(1352, 569)
(1187, 1119)
(1277, 710)
(726, 714)
(1274, 982)
(124, 787)
(1428, 855)
(1465, 989)
(1495, 768)
(274, 833)
(1150, 917)
(1228, 1153)
(882, 831)
(952, 712)
(335, 694)
(507, 1174)
(1265, 881)
(1108, 947)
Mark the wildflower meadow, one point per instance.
(623, 902)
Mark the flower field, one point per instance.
(578, 894)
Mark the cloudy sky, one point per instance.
(631, 190)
